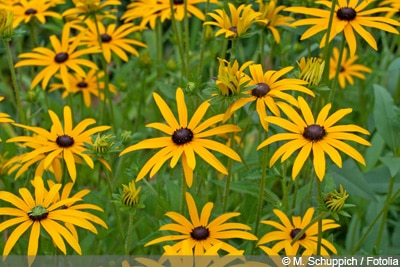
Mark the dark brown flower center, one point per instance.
(295, 232)
(61, 57)
(342, 69)
(261, 90)
(64, 141)
(178, 2)
(346, 13)
(38, 213)
(30, 11)
(200, 233)
(314, 132)
(233, 29)
(106, 38)
(82, 84)
(182, 136)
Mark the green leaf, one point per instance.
(374, 151)
(392, 163)
(352, 180)
(385, 116)
(394, 65)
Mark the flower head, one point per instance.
(38, 9)
(113, 39)
(314, 137)
(334, 201)
(65, 141)
(311, 70)
(150, 10)
(200, 233)
(271, 18)
(44, 211)
(267, 87)
(185, 139)
(350, 16)
(231, 79)
(4, 117)
(64, 57)
(348, 68)
(289, 230)
(90, 7)
(235, 24)
(6, 24)
(89, 85)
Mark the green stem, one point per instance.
(372, 224)
(227, 184)
(107, 98)
(319, 196)
(117, 215)
(159, 48)
(16, 90)
(327, 49)
(262, 186)
(385, 213)
(338, 68)
(129, 234)
(183, 196)
(178, 40)
(203, 45)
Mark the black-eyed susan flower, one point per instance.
(267, 87)
(6, 24)
(65, 56)
(350, 17)
(42, 211)
(185, 139)
(150, 10)
(392, 3)
(91, 7)
(113, 39)
(201, 233)
(4, 117)
(348, 68)
(288, 231)
(90, 85)
(25, 11)
(231, 78)
(271, 18)
(79, 208)
(61, 141)
(335, 201)
(314, 137)
(234, 24)
(311, 70)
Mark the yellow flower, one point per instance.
(113, 39)
(199, 232)
(150, 10)
(89, 85)
(4, 117)
(65, 142)
(237, 23)
(314, 137)
(271, 18)
(231, 79)
(267, 87)
(392, 3)
(88, 7)
(130, 194)
(348, 69)
(6, 24)
(42, 211)
(335, 201)
(311, 70)
(63, 57)
(184, 140)
(350, 16)
(27, 10)
(288, 231)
